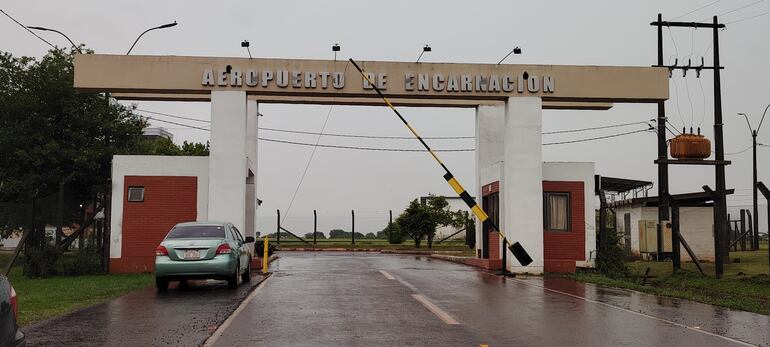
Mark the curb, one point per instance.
(369, 250)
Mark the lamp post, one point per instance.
(515, 50)
(425, 48)
(245, 44)
(164, 26)
(58, 32)
(755, 214)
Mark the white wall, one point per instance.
(696, 225)
(490, 140)
(153, 165)
(574, 171)
(523, 192)
(227, 158)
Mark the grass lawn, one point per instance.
(43, 298)
(745, 285)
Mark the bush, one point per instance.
(41, 262)
(84, 262)
(259, 249)
(50, 261)
(611, 262)
(393, 233)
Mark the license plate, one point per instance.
(191, 254)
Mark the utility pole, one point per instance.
(766, 193)
(315, 226)
(662, 153)
(720, 206)
(755, 215)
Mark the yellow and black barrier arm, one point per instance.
(518, 251)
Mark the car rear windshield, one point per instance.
(197, 232)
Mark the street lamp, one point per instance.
(336, 48)
(58, 32)
(515, 50)
(426, 48)
(755, 214)
(164, 26)
(245, 44)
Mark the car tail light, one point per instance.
(160, 251)
(14, 303)
(224, 249)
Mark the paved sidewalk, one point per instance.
(178, 317)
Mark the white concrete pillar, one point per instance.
(227, 158)
(490, 140)
(523, 170)
(252, 122)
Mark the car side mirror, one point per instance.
(250, 239)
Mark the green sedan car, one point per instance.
(203, 250)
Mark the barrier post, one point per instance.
(264, 256)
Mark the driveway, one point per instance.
(369, 299)
(146, 318)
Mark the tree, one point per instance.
(463, 220)
(164, 146)
(416, 222)
(339, 234)
(370, 236)
(438, 208)
(50, 132)
(392, 233)
(318, 235)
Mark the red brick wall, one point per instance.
(168, 200)
(561, 249)
(491, 188)
(494, 245)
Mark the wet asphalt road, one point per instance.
(332, 299)
(178, 317)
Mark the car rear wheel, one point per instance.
(232, 282)
(246, 277)
(161, 283)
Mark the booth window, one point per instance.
(556, 211)
(135, 194)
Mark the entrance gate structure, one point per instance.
(508, 100)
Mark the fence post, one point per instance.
(278, 229)
(390, 224)
(315, 226)
(353, 226)
(743, 230)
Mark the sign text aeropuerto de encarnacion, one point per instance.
(436, 82)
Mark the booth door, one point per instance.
(491, 205)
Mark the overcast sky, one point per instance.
(549, 32)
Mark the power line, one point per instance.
(174, 116)
(176, 123)
(27, 29)
(596, 138)
(365, 148)
(736, 9)
(400, 149)
(748, 18)
(592, 128)
(696, 10)
(366, 136)
(394, 137)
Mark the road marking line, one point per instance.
(435, 310)
(637, 313)
(406, 284)
(387, 275)
(221, 329)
